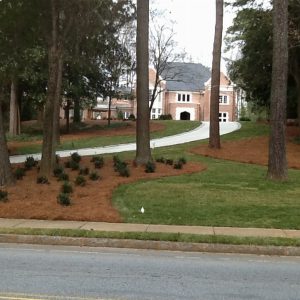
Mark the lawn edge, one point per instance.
(153, 241)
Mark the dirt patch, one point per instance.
(253, 150)
(29, 200)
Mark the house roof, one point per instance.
(186, 76)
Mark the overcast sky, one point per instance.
(195, 25)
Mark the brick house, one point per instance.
(187, 94)
(184, 94)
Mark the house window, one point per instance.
(158, 110)
(153, 110)
(153, 117)
(223, 117)
(223, 99)
(183, 97)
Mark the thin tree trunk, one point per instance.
(214, 127)
(277, 166)
(48, 161)
(56, 136)
(67, 115)
(6, 175)
(143, 152)
(40, 115)
(109, 111)
(14, 112)
(76, 116)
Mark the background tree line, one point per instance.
(54, 51)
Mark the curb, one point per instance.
(149, 245)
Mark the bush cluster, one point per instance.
(150, 167)
(177, 164)
(64, 199)
(165, 117)
(75, 157)
(94, 176)
(67, 188)
(98, 161)
(58, 171)
(80, 180)
(30, 162)
(121, 167)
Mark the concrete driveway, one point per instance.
(199, 133)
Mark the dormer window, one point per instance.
(183, 97)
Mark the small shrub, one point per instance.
(74, 165)
(165, 117)
(63, 177)
(3, 196)
(97, 158)
(160, 160)
(178, 165)
(64, 199)
(42, 180)
(124, 171)
(75, 157)
(58, 170)
(67, 188)
(150, 167)
(244, 119)
(30, 162)
(84, 171)
(94, 176)
(99, 164)
(131, 117)
(182, 160)
(80, 180)
(116, 160)
(169, 162)
(19, 173)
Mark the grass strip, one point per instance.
(154, 236)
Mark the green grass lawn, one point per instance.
(227, 194)
(171, 128)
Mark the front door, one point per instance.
(185, 116)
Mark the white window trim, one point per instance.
(223, 118)
(181, 95)
(222, 101)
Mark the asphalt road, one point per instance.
(36, 271)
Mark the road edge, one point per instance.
(149, 245)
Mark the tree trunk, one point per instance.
(109, 111)
(214, 127)
(55, 60)
(76, 116)
(6, 175)
(40, 115)
(277, 166)
(143, 152)
(67, 115)
(14, 112)
(295, 72)
(56, 120)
